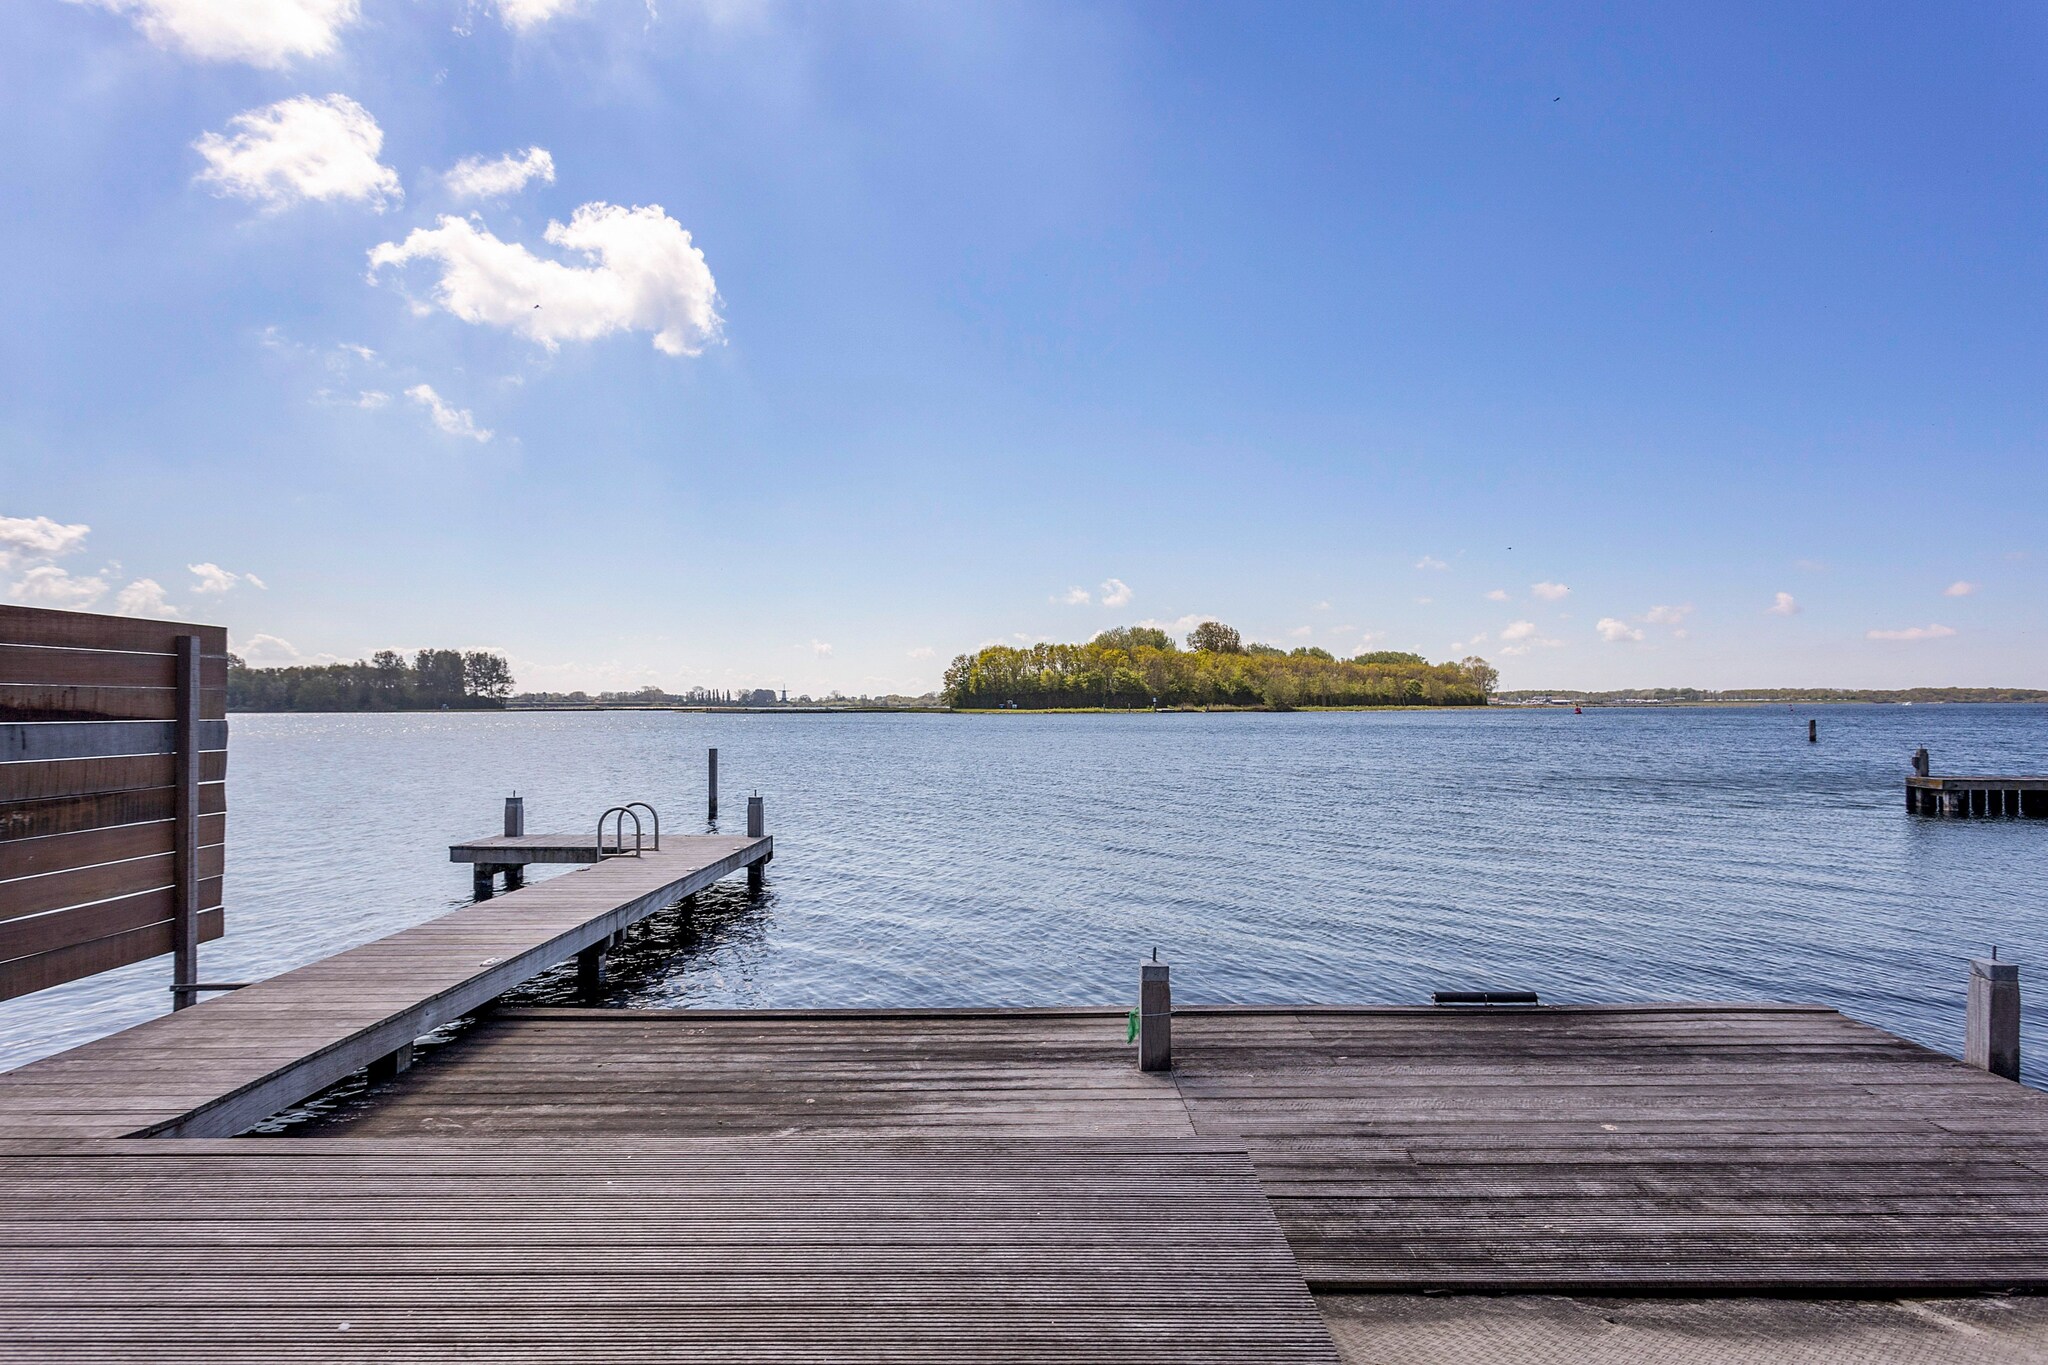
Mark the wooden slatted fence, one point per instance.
(113, 767)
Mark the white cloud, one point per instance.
(1911, 633)
(1497, 595)
(211, 578)
(452, 420)
(1785, 604)
(267, 651)
(39, 538)
(523, 16)
(46, 585)
(645, 276)
(1519, 637)
(300, 149)
(372, 399)
(924, 652)
(260, 32)
(1430, 562)
(1616, 632)
(1550, 592)
(253, 581)
(1073, 597)
(1115, 592)
(1302, 632)
(1180, 626)
(820, 648)
(1959, 589)
(144, 597)
(475, 178)
(1322, 606)
(1668, 616)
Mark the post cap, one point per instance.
(1151, 971)
(1994, 971)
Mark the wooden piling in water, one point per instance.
(1991, 1038)
(713, 778)
(1813, 732)
(757, 828)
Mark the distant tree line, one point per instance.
(1137, 666)
(1925, 695)
(432, 680)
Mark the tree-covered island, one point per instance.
(1138, 667)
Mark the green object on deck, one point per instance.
(1132, 1036)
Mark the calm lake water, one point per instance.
(1345, 858)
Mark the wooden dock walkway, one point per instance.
(1627, 1149)
(218, 1068)
(717, 1252)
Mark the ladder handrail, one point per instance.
(622, 812)
(653, 815)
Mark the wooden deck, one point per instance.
(517, 850)
(1062, 1252)
(1708, 1149)
(217, 1068)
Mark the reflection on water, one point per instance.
(991, 860)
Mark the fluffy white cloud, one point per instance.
(144, 597)
(1616, 632)
(1668, 616)
(300, 149)
(1911, 633)
(820, 648)
(39, 538)
(1497, 595)
(473, 177)
(452, 420)
(212, 578)
(372, 399)
(1550, 592)
(1115, 592)
(924, 652)
(1430, 562)
(1073, 597)
(1785, 604)
(260, 32)
(267, 651)
(46, 585)
(644, 276)
(1519, 637)
(1959, 589)
(523, 16)
(1302, 632)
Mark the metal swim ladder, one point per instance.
(618, 846)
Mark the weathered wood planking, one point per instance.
(33, 742)
(39, 627)
(1626, 1149)
(1061, 1253)
(513, 850)
(218, 1068)
(97, 776)
(112, 754)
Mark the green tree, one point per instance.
(1213, 637)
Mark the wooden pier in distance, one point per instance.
(1927, 794)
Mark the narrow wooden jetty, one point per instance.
(1979, 796)
(218, 1068)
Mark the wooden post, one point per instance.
(515, 816)
(480, 875)
(1991, 1039)
(757, 828)
(1813, 732)
(590, 971)
(1155, 1018)
(1922, 765)
(390, 1065)
(714, 784)
(515, 876)
(185, 845)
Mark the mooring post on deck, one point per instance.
(515, 816)
(1991, 1038)
(757, 828)
(1155, 1018)
(1923, 766)
(713, 772)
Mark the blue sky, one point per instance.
(1630, 345)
